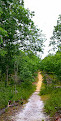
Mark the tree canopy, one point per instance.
(56, 38)
(16, 21)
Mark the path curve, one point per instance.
(33, 110)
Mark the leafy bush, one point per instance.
(52, 63)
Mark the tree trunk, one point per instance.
(15, 71)
(6, 76)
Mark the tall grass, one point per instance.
(8, 93)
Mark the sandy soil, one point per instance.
(39, 83)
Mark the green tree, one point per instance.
(56, 38)
(20, 33)
(52, 63)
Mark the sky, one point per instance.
(46, 15)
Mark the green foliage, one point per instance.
(18, 32)
(26, 68)
(23, 92)
(54, 102)
(17, 21)
(46, 90)
(3, 32)
(56, 38)
(25, 74)
(19, 41)
(52, 64)
(2, 52)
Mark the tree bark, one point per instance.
(7, 75)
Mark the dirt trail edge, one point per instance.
(33, 110)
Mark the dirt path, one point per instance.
(33, 110)
(39, 83)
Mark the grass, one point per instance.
(51, 97)
(53, 104)
(8, 93)
(45, 97)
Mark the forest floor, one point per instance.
(31, 111)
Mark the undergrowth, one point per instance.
(52, 104)
(22, 92)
